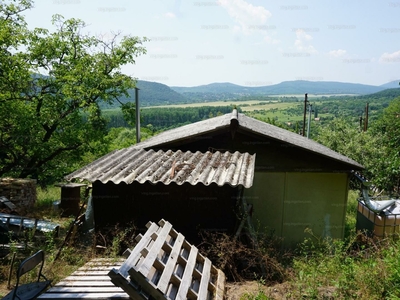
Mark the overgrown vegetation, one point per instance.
(357, 267)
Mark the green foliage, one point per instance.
(388, 127)
(162, 118)
(47, 195)
(129, 113)
(51, 91)
(357, 268)
(351, 213)
(377, 148)
(365, 147)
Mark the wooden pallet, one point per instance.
(88, 282)
(163, 265)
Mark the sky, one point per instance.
(246, 42)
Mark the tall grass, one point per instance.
(357, 267)
(47, 196)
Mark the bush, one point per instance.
(240, 260)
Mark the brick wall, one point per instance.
(21, 192)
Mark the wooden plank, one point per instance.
(85, 283)
(129, 263)
(205, 279)
(91, 273)
(187, 274)
(98, 268)
(169, 267)
(96, 289)
(220, 286)
(128, 286)
(91, 281)
(155, 249)
(105, 260)
(99, 296)
(87, 278)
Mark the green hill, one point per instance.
(152, 94)
(225, 91)
(388, 93)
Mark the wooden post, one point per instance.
(137, 121)
(366, 117)
(305, 112)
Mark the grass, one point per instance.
(357, 267)
(70, 258)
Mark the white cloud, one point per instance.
(337, 53)
(170, 15)
(390, 57)
(247, 15)
(302, 42)
(271, 40)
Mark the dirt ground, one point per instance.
(282, 291)
(236, 290)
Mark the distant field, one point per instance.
(214, 103)
(269, 106)
(249, 105)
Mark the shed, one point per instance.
(195, 190)
(298, 184)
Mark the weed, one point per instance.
(239, 259)
(47, 196)
(116, 240)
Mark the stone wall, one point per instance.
(21, 192)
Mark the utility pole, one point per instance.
(137, 115)
(309, 120)
(305, 112)
(366, 117)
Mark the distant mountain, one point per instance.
(229, 90)
(392, 84)
(214, 88)
(152, 94)
(320, 87)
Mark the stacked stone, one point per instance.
(20, 191)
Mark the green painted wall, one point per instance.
(289, 203)
(267, 196)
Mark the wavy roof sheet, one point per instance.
(129, 165)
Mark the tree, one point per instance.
(388, 126)
(51, 84)
(345, 137)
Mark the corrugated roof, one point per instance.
(130, 164)
(248, 124)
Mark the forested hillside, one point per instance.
(155, 94)
(150, 94)
(221, 91)
(159, 119)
